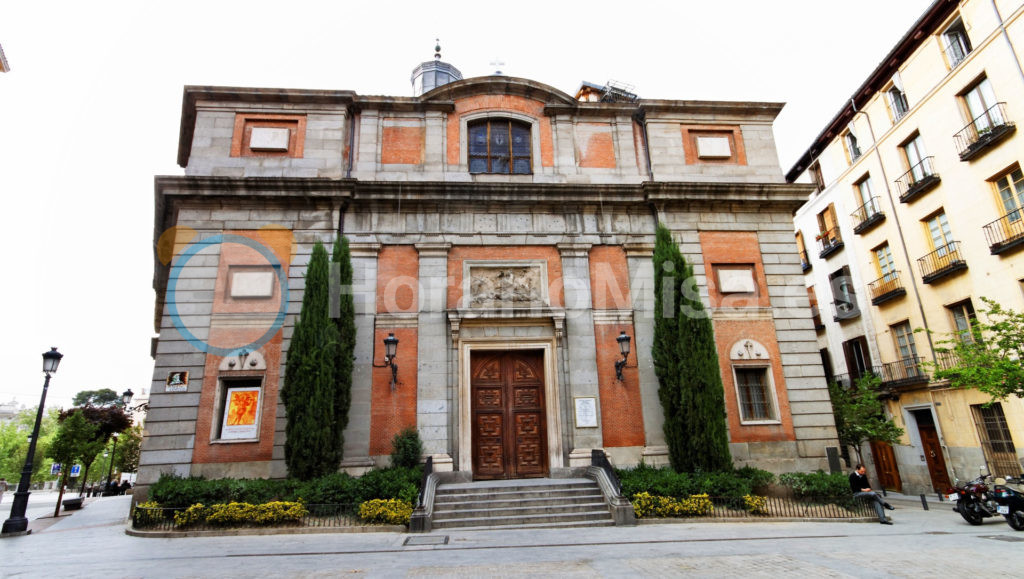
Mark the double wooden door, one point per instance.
(508, 421)
(885, 466)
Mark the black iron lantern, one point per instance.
(623, 341)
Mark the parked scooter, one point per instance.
(1009, 496)
(973, 500)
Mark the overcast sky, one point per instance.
(91, 108)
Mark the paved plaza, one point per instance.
(937, 542)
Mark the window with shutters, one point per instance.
(499, 146)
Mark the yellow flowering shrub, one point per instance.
(195, 514)
(273, 513)
(148, 513)
(388, 512)
(647, 505)
(756, 505)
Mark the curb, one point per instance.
(267, 531)
(679, 521)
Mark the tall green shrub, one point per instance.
(311, 380)
(686, 364)
(341, 260)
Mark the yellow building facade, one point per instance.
(917, 216)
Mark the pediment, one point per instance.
(499, 85)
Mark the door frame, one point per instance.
(909, 418)
(552, 412)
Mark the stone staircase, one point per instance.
(523, 504)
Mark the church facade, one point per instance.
(502, 233)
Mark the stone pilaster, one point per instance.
(435, 414)
(364, 288)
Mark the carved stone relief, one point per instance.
(506, 285)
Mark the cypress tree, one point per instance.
(310, 379)
(341, 260)
(686, 363)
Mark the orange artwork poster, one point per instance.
(242, 408)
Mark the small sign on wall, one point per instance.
(177, 381)
(586, 412)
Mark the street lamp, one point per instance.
(18, 523)
(110, 473)
(623, 341)
(126, 397)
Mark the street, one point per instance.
(92, 543)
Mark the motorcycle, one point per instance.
(973, 500)
(1009, 497)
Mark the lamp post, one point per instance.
(110, 472)
(17, 522)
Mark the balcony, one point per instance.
(867, 216)
(983, 133)
(885, 288)
(829, 242)
(942, 262)
(906, 372)
(946, 360)
(1006, 233)
(920, 179)
(805, 263)
(845, 311)
(956, 49)
(816, 318)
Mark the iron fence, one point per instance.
(847, 507)
(319, 516)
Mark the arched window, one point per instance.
(499, 146)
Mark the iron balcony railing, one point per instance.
(1005, 233)
(943, 261)
(885, 288)
(829, 242)
(956, 49)
(987, 129)
(805, 263)
(867, 215)
(947, 360)
(906, 371)
(920, 178)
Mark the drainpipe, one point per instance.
(899, 228)
(640, 116)
(1009, 43)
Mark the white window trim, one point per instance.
(773, 396)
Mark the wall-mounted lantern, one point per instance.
(623, 341)
(390, 353)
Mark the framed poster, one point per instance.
(586, 412)
(177, 381)
(241, 413)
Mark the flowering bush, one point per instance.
(195, 514)
(646, 505)
(386, 511)
(273, 513)
(756, 505)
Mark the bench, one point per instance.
(72, 504)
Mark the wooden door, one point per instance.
(508, 421)
(885, 467)
(932, 451)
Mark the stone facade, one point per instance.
(458, 265)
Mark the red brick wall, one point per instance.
(245, 123)
(609, 278)
(499, 103)
(459, 254)
(735, 248)
(727, 333)
(622, 419)
(392, 410)
(733, 133)
(398, 270)
(401, 145)
(595, 148)
(279, 241)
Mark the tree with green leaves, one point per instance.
(126, 455)
(14, 442)
(341, 261)
(860, 414)
(990, 355)
(109, 420)
(686, 364)
(101, 397)
(310, 380)
(77, 441)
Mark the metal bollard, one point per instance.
(924, 502)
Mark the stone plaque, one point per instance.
(269, 139)
(252, 284)
(713, 148)
(586, 412)
(506, 286)
(736, 280)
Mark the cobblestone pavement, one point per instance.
(92, 543)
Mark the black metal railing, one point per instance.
(428, 468)
(985, 130)
(917, 180)
(867, 215)
(847, 507)
(829, 242)
(1005, 233)
(941, 262)
(885, 288)
(599, 459)
(906, 371)
(947, 360)
(805, 264)
(319, 516)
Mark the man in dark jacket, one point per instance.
(860, 488)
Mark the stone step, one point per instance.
(559, 525)
(483, 489)
(504, 521)
(458, 497)
(471, 502)
(527, 510)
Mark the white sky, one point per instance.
(91, 108)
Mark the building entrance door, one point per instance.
(885, 466)
(932, 450)
(508, 421)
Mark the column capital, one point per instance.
(574, 249)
